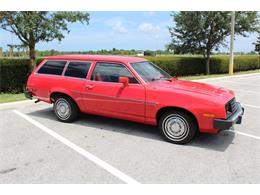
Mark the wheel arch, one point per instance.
(162, 110)
(56, 94)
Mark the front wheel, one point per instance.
(65, 109)
(177, 127)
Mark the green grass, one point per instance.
(196, 77)
(9, 97)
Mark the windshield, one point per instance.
(150, 72)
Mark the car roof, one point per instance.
(112, 58)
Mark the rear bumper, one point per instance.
(235, 118)
(28, 94)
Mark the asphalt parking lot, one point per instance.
(36, 148)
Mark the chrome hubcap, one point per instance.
(62, 109)
(175, 127)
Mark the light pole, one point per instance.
(231, 48)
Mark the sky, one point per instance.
(121, 30)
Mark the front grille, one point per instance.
(231, 107)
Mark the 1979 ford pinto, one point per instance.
(132, 89)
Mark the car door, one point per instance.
(105, 95)
(74, 79)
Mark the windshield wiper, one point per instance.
(155, 79)
(159, 78)
(171, 79)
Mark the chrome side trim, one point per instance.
(153, 103)
(69, 77)
(114, 97)
(114, 83)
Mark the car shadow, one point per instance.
(218, 142)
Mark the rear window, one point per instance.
(78, 69)
(52, 67)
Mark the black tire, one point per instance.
(71, 109)
(177, 126)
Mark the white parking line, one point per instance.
(246, 91)
(240, 83)
(15, 103)
(245, 134)
(245, 76)
(252, 106)
(122, 176)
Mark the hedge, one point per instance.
(187, 65)
(14, 71)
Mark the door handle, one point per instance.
(89, 87)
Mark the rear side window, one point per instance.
(52, 67)
(78, 69)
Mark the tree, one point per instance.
(257, 45)
(203, 32)
(33, 27)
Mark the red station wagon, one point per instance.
(132, 89)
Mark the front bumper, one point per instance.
(235, 118)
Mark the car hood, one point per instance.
(195, 87)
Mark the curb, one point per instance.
(14, 103)
(225, 77)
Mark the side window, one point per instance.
(52, 67)
(78, 69)
(109, 72)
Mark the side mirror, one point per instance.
(124, 80)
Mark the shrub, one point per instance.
(149, 53)
(14, 73)
(189, 65)
(180, 65)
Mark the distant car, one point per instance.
(132, 89)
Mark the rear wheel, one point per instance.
(65, 109)
(177, 126)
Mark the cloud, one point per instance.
(117, 25)
(119, 28)
(148, 28)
